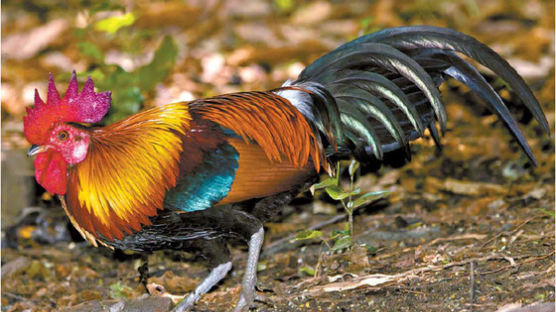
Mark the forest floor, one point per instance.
(468, 228)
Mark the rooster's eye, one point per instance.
(62, 135)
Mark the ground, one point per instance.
(467, 228)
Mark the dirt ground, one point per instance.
(468, 228)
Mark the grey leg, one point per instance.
(215, 276)
(250, 277)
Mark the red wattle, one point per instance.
(51, 172)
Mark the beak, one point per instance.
(35, 149)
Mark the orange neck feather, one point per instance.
(129, 167)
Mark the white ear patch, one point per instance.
(80, 151)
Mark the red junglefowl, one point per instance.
(179, 176)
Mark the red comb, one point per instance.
(86, 106)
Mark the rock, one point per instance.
(18, 183)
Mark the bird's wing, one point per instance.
(277, 147)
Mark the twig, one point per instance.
(380, 279)
(481, 305)
(513, 264)
(510, 260)
(472, 282)
(412, 291)
(433, 242)
(496, 270)
(454, 238)
(515, 237)
(19, 298)
(506, 232)
(391, 254)
(533, 259)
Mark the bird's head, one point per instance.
(55, 134)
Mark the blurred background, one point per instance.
(151, 53)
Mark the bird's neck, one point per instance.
(129, 167)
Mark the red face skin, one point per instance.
(66, 146)
(72, 143)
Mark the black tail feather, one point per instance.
(429, 37)
(376, 93)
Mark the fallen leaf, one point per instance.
(22, 46)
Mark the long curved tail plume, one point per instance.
(380, 91)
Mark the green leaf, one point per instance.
(547, 212)
(117, 79)
(285, 5)
(161, 65)
(343, 242)
(112, 24)
(338, 233)
(325, 183)
(307, 234)
(129, 101)
(366, 22)
(368, 198)
(91, 50)
(337, 193)
(353, 166)
(307, 270)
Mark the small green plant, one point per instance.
(350, 200)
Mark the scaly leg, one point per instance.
(204, 230)
(250, 277)
(215, 276)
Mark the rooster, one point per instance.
(179, 176)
